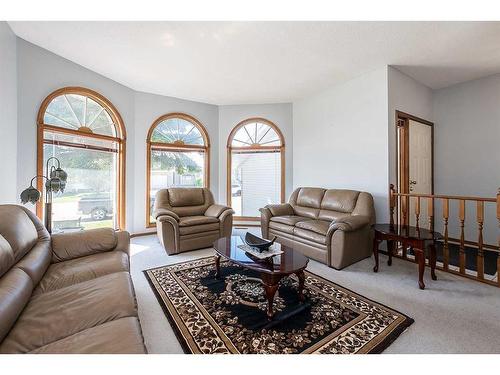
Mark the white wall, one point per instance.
(340, 138)
(409, 96)
(467, 155)
(40, 72)
(231, 115)
(8, 118)
(148, 107)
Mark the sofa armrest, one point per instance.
(215, 210)
(66, 246)
(164, 212)
(280, 209)
(350, 223)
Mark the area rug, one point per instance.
(228, 315)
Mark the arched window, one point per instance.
(178, 155)
(86, 133)
(256, 167)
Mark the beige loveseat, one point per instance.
(69, 293)
(187, 219)
(331, 226)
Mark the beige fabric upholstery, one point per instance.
(69, 294)
(332, 226)
(187, 219)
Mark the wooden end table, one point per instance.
(271, 271)
(417, 239)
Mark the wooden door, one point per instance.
(415, 166)
(420, 167)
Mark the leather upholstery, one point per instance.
(55, 315)
(63, 274)
(64, 294)
(288, 219)
(197, 220)
(114, 337)
(332, 226)
(82, 243)
(187, 219)
(317, 226)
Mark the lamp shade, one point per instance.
(30, 195)
(59, 173)
(54, 185)
(57, 182)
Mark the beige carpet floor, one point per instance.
(453, 315)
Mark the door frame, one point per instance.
(403, 153)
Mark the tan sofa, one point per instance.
(331, 226)
(69, 293)
(187, 219)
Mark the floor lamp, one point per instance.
(55, 181)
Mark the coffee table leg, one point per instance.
(390, 251)
(420, 255)
(270, 287)
(375, 253)
(432, 261)
(217, 266)
(302, 278)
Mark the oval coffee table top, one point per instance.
(287, 263)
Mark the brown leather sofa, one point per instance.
(69, 293)
(331, 226)
(187, 219)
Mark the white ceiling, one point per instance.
(268, 62)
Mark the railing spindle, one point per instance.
(404, 209)
(417, 212)
(461, 216)
(498, 254)
(430, 212)
(392, 204)
(480, 254)
(446, 251)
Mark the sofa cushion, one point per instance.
(6, 256)
(37, 261)
(328, 215)
(70, 272)
(309, 235)
(339, 200)
(18, 230)
(74, 245)
(310, 197)
(121, 336)
(186, 197)
(184, 230)
(317, 226)
(288, 219)
(15, 291)
(197, 220)
(281, 227)
(54, 315)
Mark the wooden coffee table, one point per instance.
(271, 271)
(415, 238)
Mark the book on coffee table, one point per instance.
(272, 251)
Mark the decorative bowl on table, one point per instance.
(260, 243)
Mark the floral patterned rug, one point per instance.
(229, 316)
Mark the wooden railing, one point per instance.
(399, 205)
